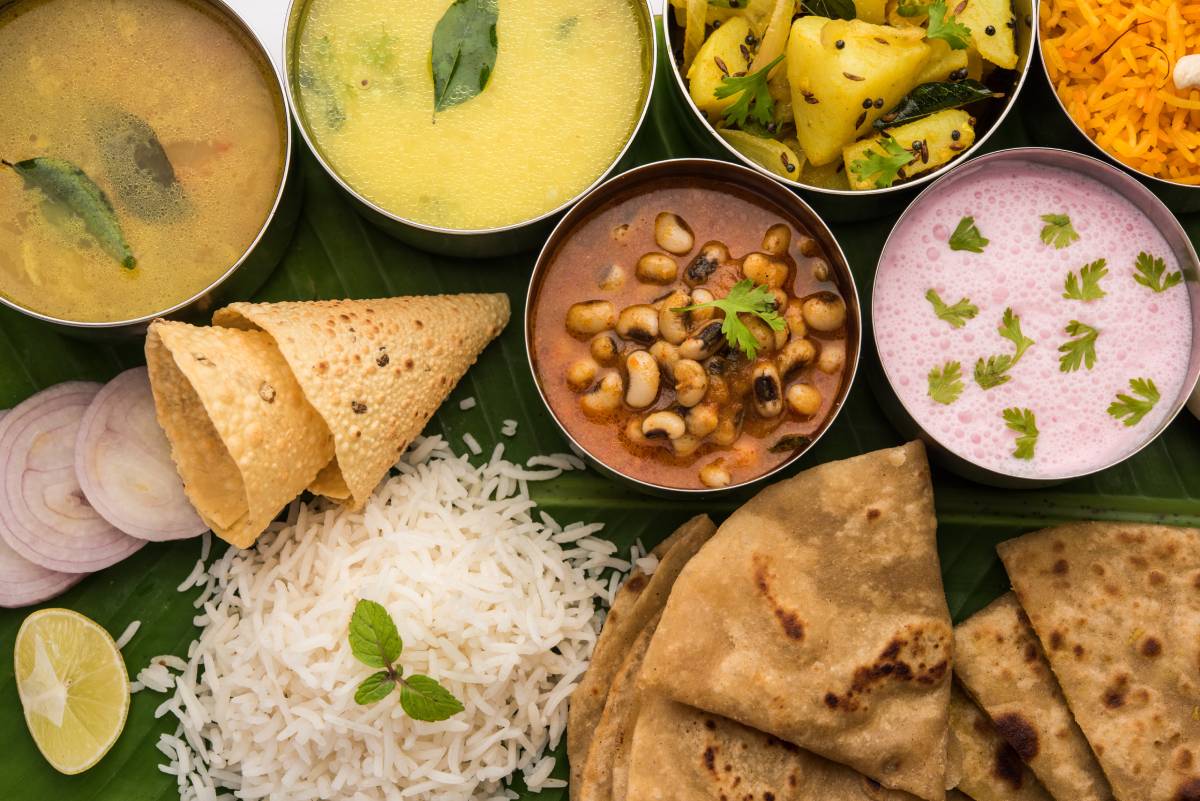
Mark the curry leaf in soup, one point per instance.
(138, 166)
(64, 183)
(464, 51)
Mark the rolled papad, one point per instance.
(817, 614)
(375, 370)
(991, 769)
(679, 753)
(243, 437)
(639, 601)
(1000, 663)
(1117, 609)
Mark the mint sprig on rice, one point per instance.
(375, 641)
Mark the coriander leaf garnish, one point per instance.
(1086, 286)
(994, 371)
(375, 641)
(945, 26)
(1024, 422)
(1080, 351)
(884, 167)
(967, 237)
(957, 315)
(1058, 231)
(945, 383)
(1150, 273)
(754, 102)
(743, 298)
(1131, 409)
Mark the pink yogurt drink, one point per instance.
(1127, 330)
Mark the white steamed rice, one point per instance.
(491, 599)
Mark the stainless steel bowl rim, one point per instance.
(907, 185)
(676, 166)
(235, 18)
(293, 103)
(1154, 209)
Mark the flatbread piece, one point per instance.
(992, 770)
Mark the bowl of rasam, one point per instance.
(466, 127)
(145, 149)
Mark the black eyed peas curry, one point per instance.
(691, 337)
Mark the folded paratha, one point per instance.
(1117, 609)
(1000, 662)
(991, 769)
(638, 602)
(682, 754)
(817, 614)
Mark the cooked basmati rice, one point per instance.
(509, 428)
(472, 444)
(127, 635)
(466, 403)
(494, 601)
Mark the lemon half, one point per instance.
(73, 687)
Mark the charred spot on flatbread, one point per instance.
(1188, 791)
(1008, 767)
(1116, 692)
(918, 655)
(1019, 734)
(789, 620)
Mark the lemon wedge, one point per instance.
(73, 686)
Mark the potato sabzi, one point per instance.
(848, 95)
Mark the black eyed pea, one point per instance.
(765, 271)
(824, 311)
(673, 234)
(701, 316)
(793, 315)
(777, 240)
(710, 257)
(591, 317)
(763, 334)
(796, 354)
(832, 358)
(820, 270)
(606, 398)
(665, 354)
(657, 268)
(702, 420)
(804, 400)
(718, 390)
(639, 323)
(780, 296)
(691, 382)
(582, 373)
(662, 425)
(605, 349)
(633, 432)
(643, 379)
(768, 393)
(612, 278)
(715, 474)
(728, 429)
(672, 325)
(704, 341)
(686, 445)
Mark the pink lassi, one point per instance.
(1093, 354)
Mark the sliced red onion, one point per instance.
(123, 463)
(44, 515)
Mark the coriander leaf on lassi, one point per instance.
(1086, 285)
(1150, 273)
(967, 237)
(1058, 231)
(994, 371)
(945, 383)
(1131, 410)
(1024, 422)
(1080, 351)
(957, 315)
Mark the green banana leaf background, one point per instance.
(335, 254)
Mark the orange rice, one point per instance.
(1127, 101)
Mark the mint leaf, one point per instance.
(994, 372)
(945, 383)
(1058, 231)
(945, 26)
(1078, 352)
(374, 639)
(374, 688)
(424, 699)
(957, 315)
(743, 298)
(1086, 286)
(967, 237)
(883, 167)
(754, 101)
(1024, 423)
(1150, 273)
(1130, 409)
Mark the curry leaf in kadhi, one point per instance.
(464, 51)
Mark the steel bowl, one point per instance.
(1159, 215)
(475, 243)
(255, 264)
(789, 206)
(1066, 133)
(840, 205)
